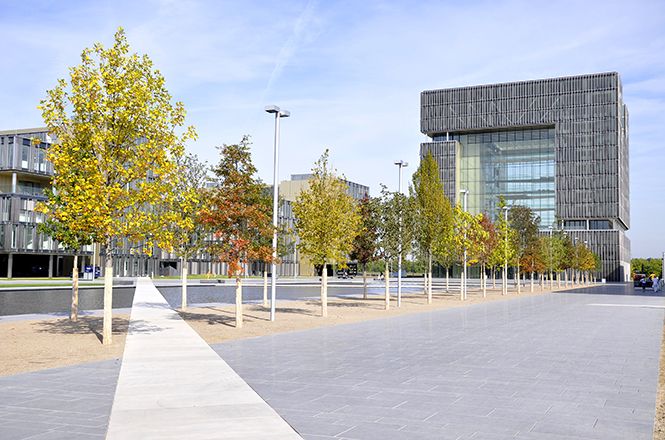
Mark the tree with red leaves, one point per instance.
(237, 214)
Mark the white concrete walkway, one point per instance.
(172, 385)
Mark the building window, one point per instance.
(25, 154)
(573, 225)
(600, 224)
(518, 165)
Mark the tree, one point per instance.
(186, 234)
(469, 236)
(65, 232)
(487, 248)
(432, 212)
(525, 223)
(237, 213)
(116, 134)
(327, 221)
(562, 255)
(647, 266)
(394, 231)
(505, 251)
(365, 244)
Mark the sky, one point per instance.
(350, 72)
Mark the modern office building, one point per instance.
(289, 190)
(24, 173)
(558, 146)
(25, 252)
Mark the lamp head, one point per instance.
(272, 109)
(284, 113)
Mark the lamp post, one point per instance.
(575, 272)
(465, 192)
(273, 266)
(585, 275)
(505, 253)
(549, 252)
(400, 164)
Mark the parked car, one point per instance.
(641, 280)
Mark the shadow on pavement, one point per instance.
(84, 325)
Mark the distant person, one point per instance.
(656, 284)
(643, 283)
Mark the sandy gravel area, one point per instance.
(35, 345)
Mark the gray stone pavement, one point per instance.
(561, 366)
(60, 403)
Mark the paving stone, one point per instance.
(505, 367)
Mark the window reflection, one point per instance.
(518, 165)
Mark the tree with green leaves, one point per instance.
(117, 134)
(562, 255)
(365, 244)
(487, 248)
(186, 233)
(237, 213)
(433, 216)
(469, 236)
(505, 251)
(647, 266)
(327, 222)
(525, 222)
(394, 232)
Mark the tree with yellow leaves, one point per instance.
(117, 134)
(327, 222)
(183, 232)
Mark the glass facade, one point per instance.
(518, 165)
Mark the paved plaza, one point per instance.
(578, 365)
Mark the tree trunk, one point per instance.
(504, 280)
(493, 277)
(265, 286)
(429, 285)
(542, 282)
(108, 300)
(531, 282)
(74, 312)
(558, 280)
(565, 276)
(484, 281)
(238, 301)
(364, 280)
(386, 276)
(425, 283)
(183, 306)
(324, 291)
(519, 280)
(447, 280)
(462, 284)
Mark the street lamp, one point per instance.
(400, 164)
(575, 272)
(465, 192)
(505, 253)
(585, 276)
(273, 266)
(550, 255)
